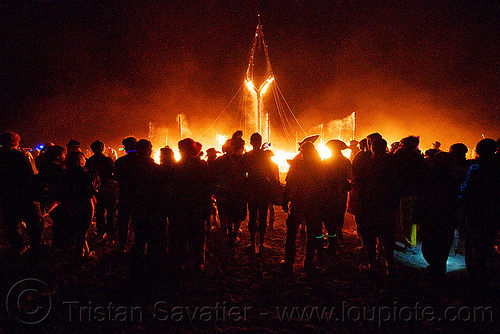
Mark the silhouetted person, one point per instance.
(167, 168)
(50, 182)
(231, 192)
(111, 153)
(149, 230)
(211, 155)
(215, 176)
(363, 145)
(214, 213)
(441, 218)
(100, 168)
(412, 172)
(191, 208)
(394, 147)
(380, 203)
(73, 146)
(460, 170)
(337, 175)
(42, 157)
(354, 147)
(125, 174)
(167, 157)
(77, 201)
(277, 191)
(429, 154)
(459, 152)
(166, 184)
(481, 195)
(260, 182)
(303, 192)
(16, 195)
(360, 182)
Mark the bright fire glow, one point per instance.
(325, 153)
(281, 157)
(177, 155)
(266, 85)
(221, 139)
(262, 89)
(250, 85)
(156, 156)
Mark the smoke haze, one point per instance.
(85, 71)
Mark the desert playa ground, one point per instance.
(240, 293)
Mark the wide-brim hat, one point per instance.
(212, 151)
(310, 139)
(336, 144)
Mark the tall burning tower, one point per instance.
(259, 77)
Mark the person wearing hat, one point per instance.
(337, 176)
(190, 208)
(229, 177)
(302, 199)
(211, 155)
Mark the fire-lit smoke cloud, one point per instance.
(83, 71)
(403, 81)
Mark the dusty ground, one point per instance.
(247, 293)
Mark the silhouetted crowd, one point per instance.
(161, 214)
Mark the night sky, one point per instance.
(95, 69)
